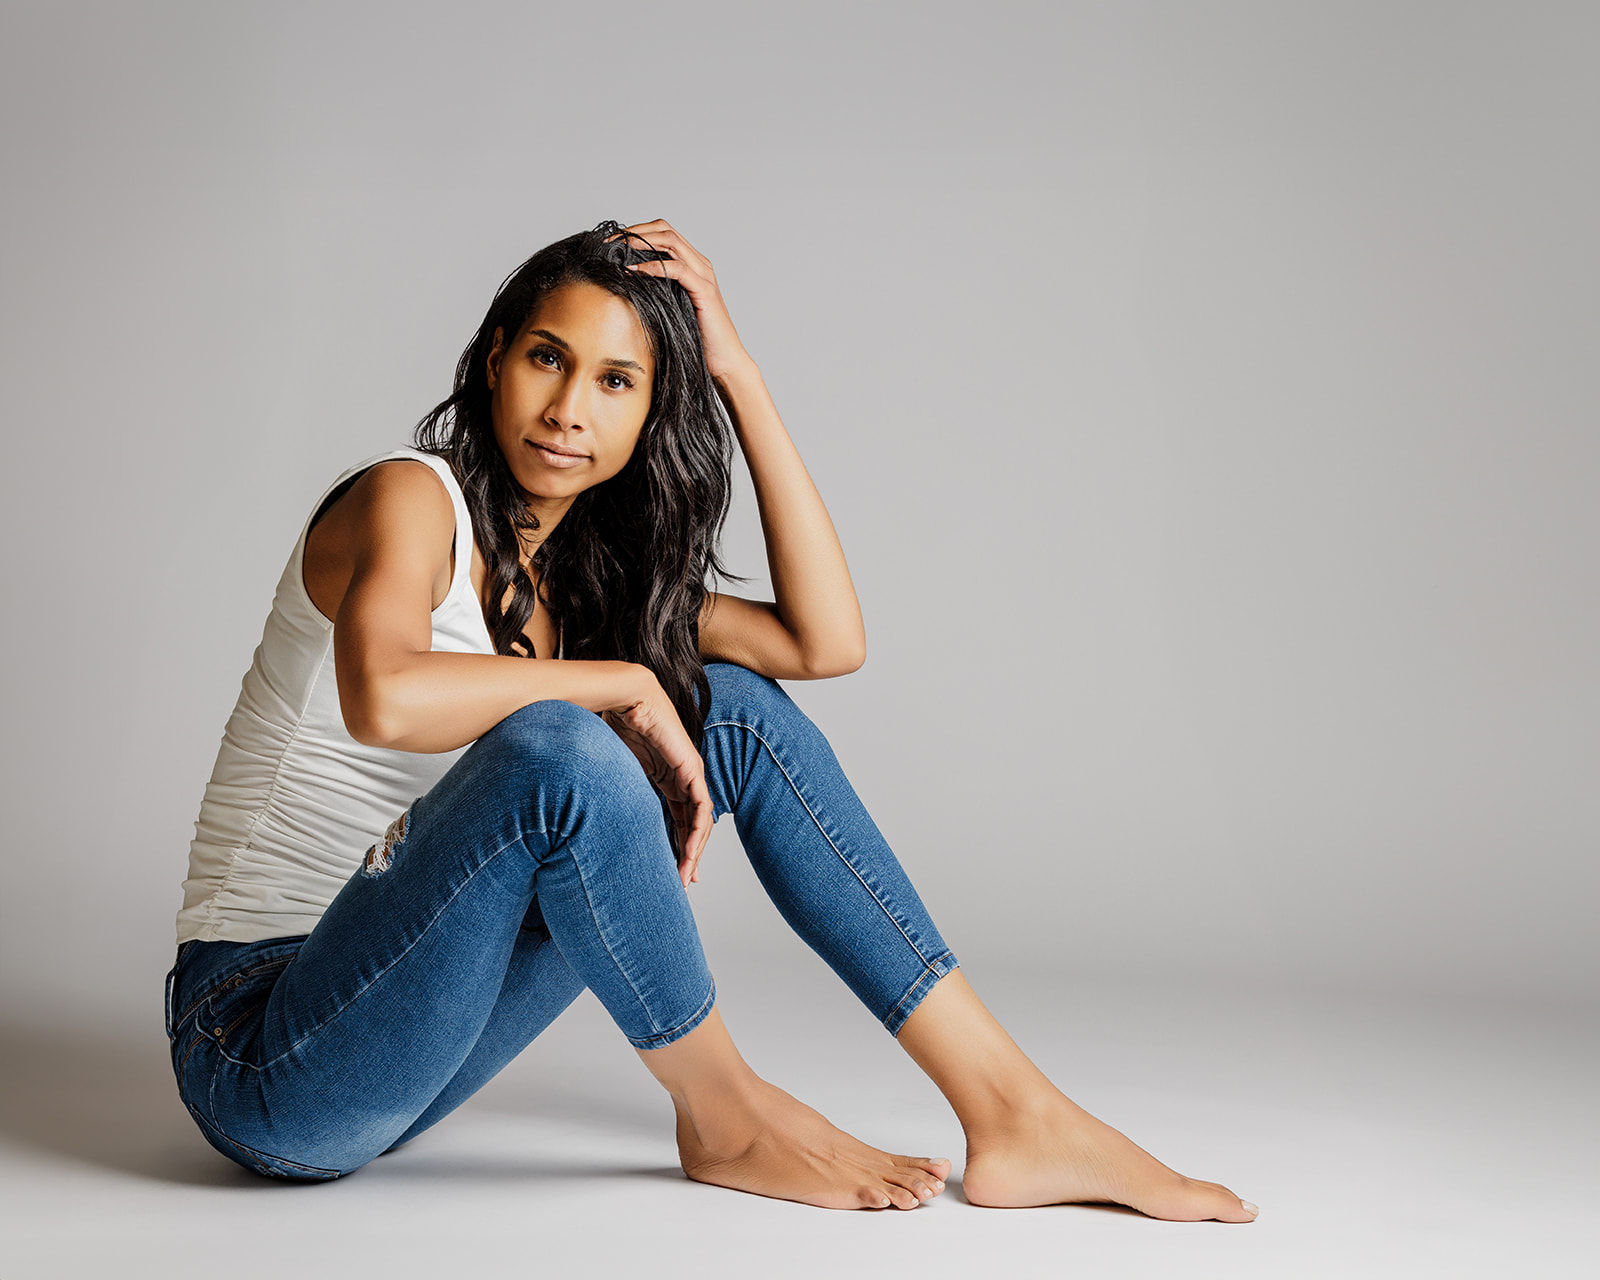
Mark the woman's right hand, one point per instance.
(652, 730)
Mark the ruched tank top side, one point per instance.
(294, 801)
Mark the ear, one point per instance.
(494, 356)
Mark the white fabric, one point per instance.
(294, 801)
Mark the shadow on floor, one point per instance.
(107, 1099)
(103, 1099)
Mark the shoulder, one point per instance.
(408, 482)
(404, 492)
(392, 521)
(399, 506)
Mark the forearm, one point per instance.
(816, 601)
(440, 701)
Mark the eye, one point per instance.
(549, 357)
(615, 381)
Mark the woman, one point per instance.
(448, 625)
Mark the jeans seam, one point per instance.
(605, 942)
(189, 1053)
(660, 1039)
(222, 984)
(261, 1156)
(932, 970)
(872, 893)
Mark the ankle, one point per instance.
(724, 1120)
(732, 1091)
(998, 1113)
(701, 1067)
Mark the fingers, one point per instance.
(694, 816)
(693, 272)
(699, 833)
(701, 285)
(686, 263)
(669, 759)
(661, 234)
(663, 267)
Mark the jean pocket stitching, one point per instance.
(183, 1066)
(230, 983)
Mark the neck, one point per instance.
(549, 513)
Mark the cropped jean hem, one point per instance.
(918, 992)
(663, 1038)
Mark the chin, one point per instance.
(549, 487)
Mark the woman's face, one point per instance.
(570, 392)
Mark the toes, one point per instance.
(924, 1188)
(873, 1198)
(901, 1197)
(1221, 1204)
(938, 1167)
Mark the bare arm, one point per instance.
(814, 628)
(395, 691)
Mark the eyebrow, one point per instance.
(612, 363)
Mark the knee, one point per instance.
(554, 737)
(743, 697)
(751, 717)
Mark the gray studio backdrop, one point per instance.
(1205, 395)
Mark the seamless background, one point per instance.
(1205, 395)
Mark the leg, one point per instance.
(736, 1130)
(814, 847)
(834, 878)
(1027, 1142)
(383, 1004)
(538, 985)
(382, 1017)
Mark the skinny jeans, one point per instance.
(538, 865)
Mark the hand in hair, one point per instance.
(653, 732)
(692, 269)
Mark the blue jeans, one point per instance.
(540, 864)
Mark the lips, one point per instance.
(562, 449)
(557, 456)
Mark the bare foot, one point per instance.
(1057, 1153)
(772, 1144)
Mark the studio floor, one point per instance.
(1380, 1136)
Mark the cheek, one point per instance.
(635, 438)
(497, 408)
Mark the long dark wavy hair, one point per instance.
(624, 574)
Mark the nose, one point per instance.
(566, 410)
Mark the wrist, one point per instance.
(734, 374)
(638, 684)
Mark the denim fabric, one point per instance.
(538, 865)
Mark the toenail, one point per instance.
(1249, 1208)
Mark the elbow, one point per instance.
(839, 660)
(371, 730)
(369, 718)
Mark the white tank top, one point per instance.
(294, 801)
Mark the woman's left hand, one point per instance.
(693, 270)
